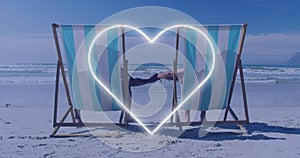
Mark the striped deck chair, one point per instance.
(82, 91)
(216, 93)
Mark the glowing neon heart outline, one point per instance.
(152, 41)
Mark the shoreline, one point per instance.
(267, 95)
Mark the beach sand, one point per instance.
(25, 133)
(26, 123)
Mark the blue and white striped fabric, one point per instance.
(86, 92)
(214, 93)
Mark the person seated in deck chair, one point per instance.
(168, 75)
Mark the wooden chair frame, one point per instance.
(70, 109)
(238, 67)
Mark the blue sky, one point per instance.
(273, 34)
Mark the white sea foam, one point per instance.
(271, 74)
(45, 73)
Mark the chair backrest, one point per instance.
(87, 94)
(214, 93)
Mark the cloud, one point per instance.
(271, 48)
(27, 48)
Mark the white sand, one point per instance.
(24, 132)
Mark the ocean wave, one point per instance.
(270, 80)
(271, 74)
(28, 68)
(45, 73)
(26, 80)
(272, 70)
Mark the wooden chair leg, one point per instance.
(203, 116)
(177, 118)
(188, 115)
(126, 119)
(121, 116)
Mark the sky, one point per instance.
(273, 34)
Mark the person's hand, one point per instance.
(166, 75)
(154, 78)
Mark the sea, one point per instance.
(33, 84)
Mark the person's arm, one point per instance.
(169, 75)
(139, 81)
